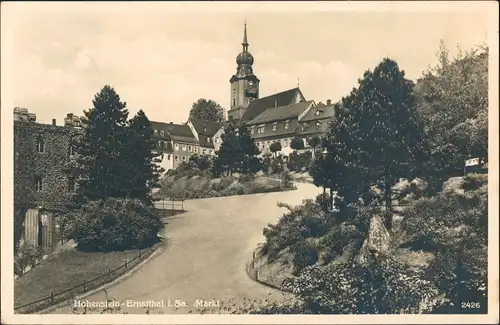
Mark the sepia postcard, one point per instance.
(249, 162)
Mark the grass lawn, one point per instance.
(68, 269)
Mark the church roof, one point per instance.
(258, 106)
(178, 132)
(280, 113)
(205, 127)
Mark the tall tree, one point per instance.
(375, 137)
(224, 163)
(250, 162)
(208, 110)
(238, 152)
(101, 149)
(453, 100)
(144, 169)
(388, 128)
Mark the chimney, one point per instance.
(171, 122)
(53, 121)
(328, 102)
(69, 115)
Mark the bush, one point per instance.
(244, 178)
(27, 255)
(304, 254)
(298, 223)
(454, 226)
(116, 224)
(381, 286)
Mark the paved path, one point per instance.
(207, 252)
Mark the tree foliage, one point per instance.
(102, 149)
(453, 100)
(238, 152)
(375, 137)
(116, 224)
(275, 147)
(114, 156)
(314, 142)
(297, 143)
(144, 170)
(208, 110)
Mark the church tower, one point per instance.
(244, 84)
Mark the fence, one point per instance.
(170, 206)
(86, 285)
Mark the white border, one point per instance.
(11, 9)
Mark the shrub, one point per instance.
(454, 226)
(116, 224)
(299, 222)
(304, 254)
(381, 286)
(27, 255)
(338, 238)
(244, 178)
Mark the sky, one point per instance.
(162, 59)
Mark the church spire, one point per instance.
(245, 42)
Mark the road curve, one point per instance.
(207, 250)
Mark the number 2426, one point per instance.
(471, 305)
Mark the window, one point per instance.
(183, 158)
(38, 183)
(318, 124)
(208, 139)
(183, 147)
(40, 145)
(287, 124)
(285, 143)
(234, 101)
(252, 130)
(210, 151)
(162, 133)
(195, 149)
(204, 151)
(176, 158)
(316, 113)
(274, 127)
(168, 157)
(155, 132)
(176, 146)
(190, 148)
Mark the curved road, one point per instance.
(207, 250)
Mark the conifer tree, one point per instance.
(250, 163)
(101, 149)
(144, 169)
(224, 163)
(238, 152)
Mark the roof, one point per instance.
(204, 127)
(318, 126)
(178, 132)
(324, 113)
(280, 113)
(258, 106)
(280, 131)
